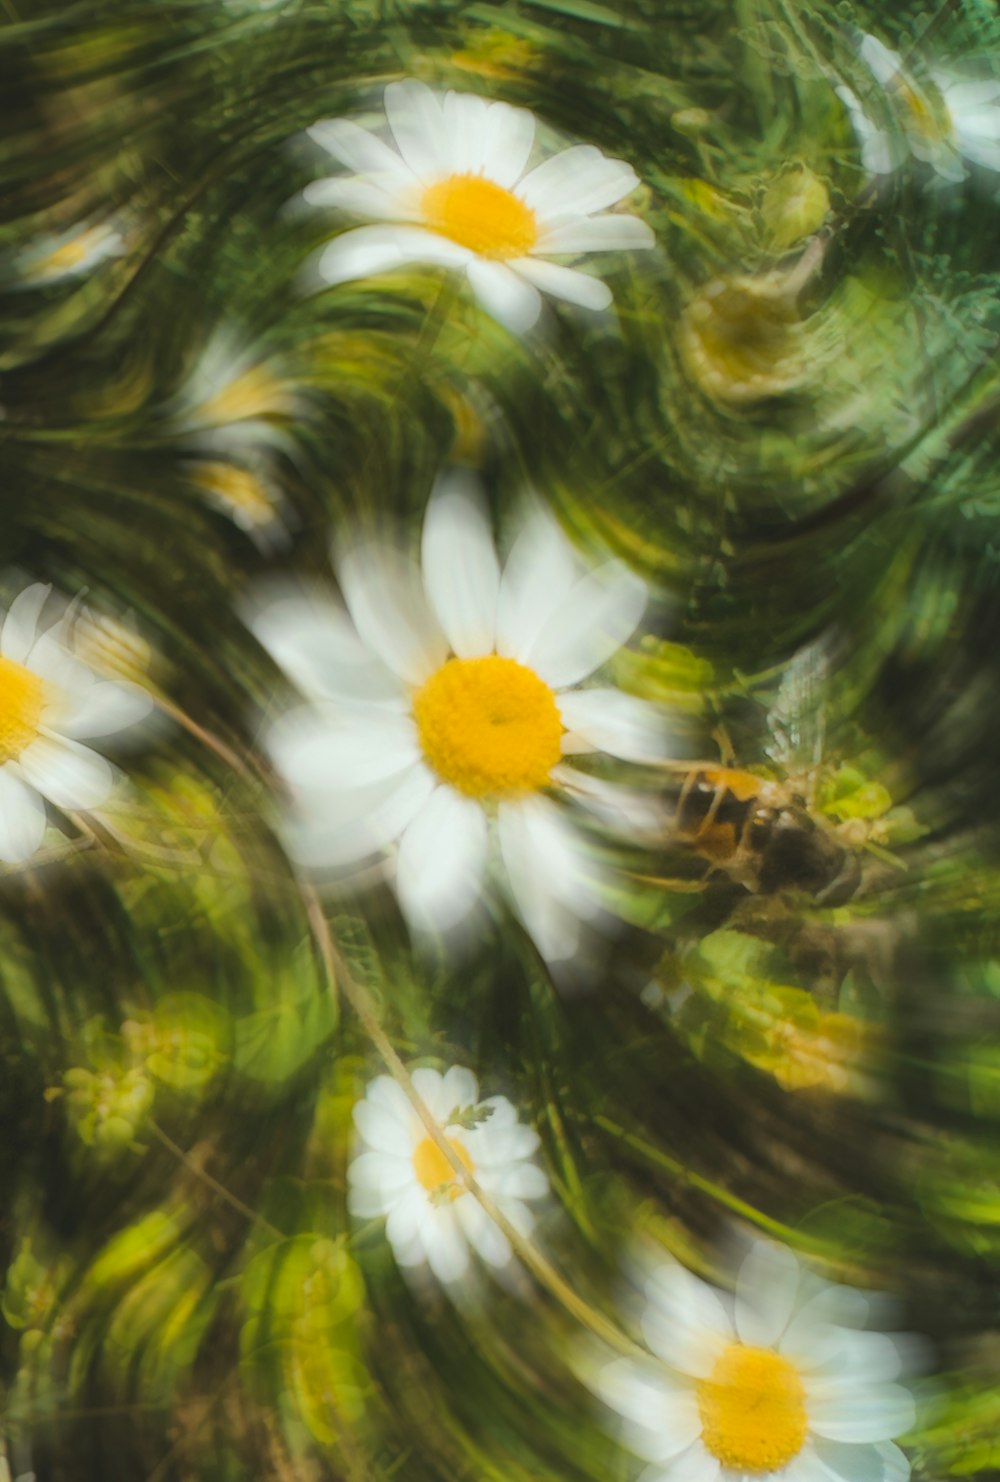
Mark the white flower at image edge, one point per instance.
(48, 701)
(401, 1173)
(445, 711)
(786, 1387)
(457, 195)
(961, 124)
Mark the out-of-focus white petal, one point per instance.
(442, 856)
(418, 127)
(595, 618)
(429, 1086)
(318, 748)
(382, 1130)
(367, 251)
(314, 641)
(447, 1252)
(104, 708)
(319, 837)
(694, 1465)
(358, 197)
(841, 1463)
(597, 234)
(357, 148)
(68, 774)
(832, 1307)
(540, 572)
(21, 622)
(646, 1396)
(854, 1414)
(22, 818)
(542, 856)
(521, 1181)
(576, 181)
(461, 571)
(386, 599)
(480, 1231)
(565, 283)
(620, 724)
(883, 63)
(685, 1324)
(765, 1294)
(459, 1088)
(505, 294)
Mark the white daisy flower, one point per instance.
(778, 1383)
(446, 707)
(956, 121)
(431, 1218)
(455, 193)
(70, 254)
(48, 700)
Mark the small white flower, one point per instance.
(48, 700)
(444, 707)
(456, 195)
(70, 254)
(778, 1383)
(957, 120)
(431, 1218)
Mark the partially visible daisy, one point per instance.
(49, 699)
(779, 1383)
(954, 121)
(447, 711)
(431, 1217)
(69, 254)
(456, 192)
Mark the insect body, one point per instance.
(762, 835)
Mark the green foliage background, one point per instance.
(185, 1297)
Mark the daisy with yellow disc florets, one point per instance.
(778, 1383)
(432, 1218)
(49, 699)
(446, 713)
(456, 193)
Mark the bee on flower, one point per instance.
(432, 1219)
(456, 192)
(947, 123)
(779, 1382)
(49, 700)
(447, 711)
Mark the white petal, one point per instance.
(320, 837)
(504, 295)
(765, 1294)
(442, 855)
(429, 1086)
(487, 1238)
(367, 251)
(21, 622)
(642, 1394)
(104, 708)
(868, 1358)
(461, 571)
(885, 64)
(542, 857)
(418, 127)
(22, 818)
(495, 1146)
(806, 1467)
(323, 749)
(973, 94)
(565, 283)
(386, 599)
(315, 643)
(447, 1252)
(505, 142)
(842, 1463)
(406, 1221)
(685, 1323)
(597, 234)
(459, 1089)
(384, 1091)
(591, 623)
(382, 1130)
(359, 198)
(540, 573)
(622, 725)
(380, 1175)
(832, 1307)
(523, 1181)
(68, 774)
(577, 181)
(859, 1413)
(356, 148)
(694, 1465)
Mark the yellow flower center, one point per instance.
(489, 726)
(22, 700)
(480, 215)
(435, 1173)
(752, 1408)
